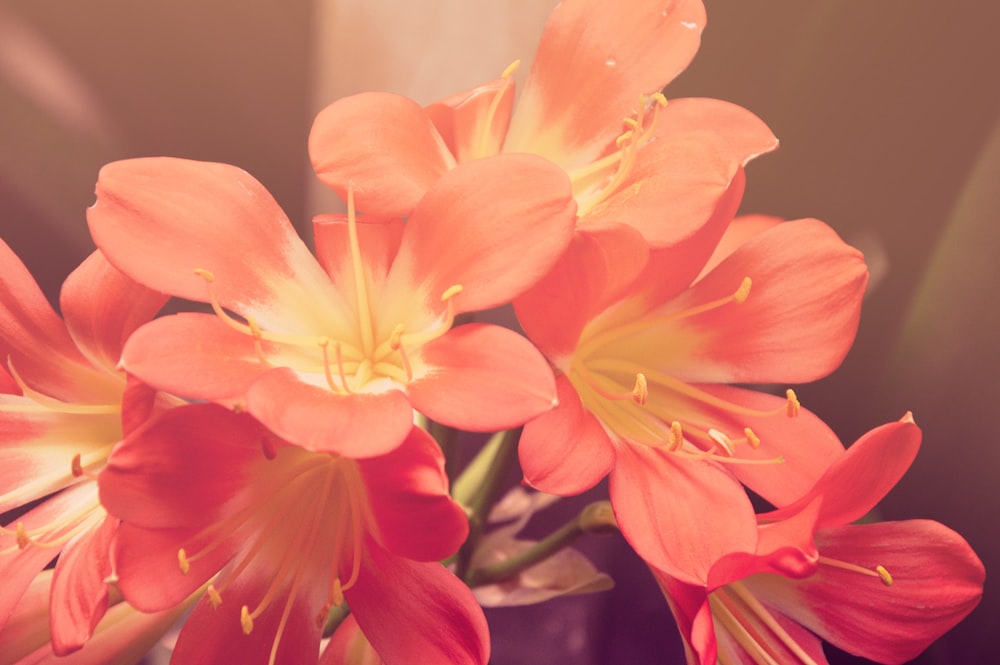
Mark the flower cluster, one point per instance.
(265, 465)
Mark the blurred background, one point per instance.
(889, 118)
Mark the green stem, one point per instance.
(336, 616)
(489, 493)
(595, 518)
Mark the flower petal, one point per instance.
(805, 445)
(408, 496)
(482, 377)
(689, 605)
(159, 219)
(798, 321)
(383, 146)
(937, 581)
(860, 478)
(566, 450)
(466, 123)
(79, 587)
(353, 425)
(349, 646)
(36, 342)
(680, 515)
(602, 58)
(740, 231)
(194, 356)
(102, 307)
(595, 268)
(417, 612)
(477, 222)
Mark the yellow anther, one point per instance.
(22, 536)
(624, 138)
(793, 405)
(743, 292)
(676, 436)
(214, 599)
(396, 336)
(631, 123)
(511, 69)
(76, 466)
(205, 274)
(451, 292)
(659, 98)
(722, 441)
(752, 438)
(246, 621)
(338, 592)
(640, 392)
(182, 561)
(884, 574)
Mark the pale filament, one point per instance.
(622, 160)
(59, 532)
(879, 572)
(645, 323)
(45, 404)
(479, 150)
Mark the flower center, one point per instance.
(621, 370)
(313, 516)
(351, 365)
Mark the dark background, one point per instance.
(888, 116)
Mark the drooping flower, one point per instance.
(591, 105)
(884, 591)
(70, 407)
(282, 534)
(642, 362)
(333, 353)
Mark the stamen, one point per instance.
(722, 441)
(640, 393)
(880, 571)
(337, 592)
(76, 468)
(479, 150)
(258, 335)
(49, 404)
(396, 344)
(752, 438)
(22, 536)
(676, 437)
(360, 282)
(214, 598)
(451, 292)
(793, 405)
(624, 138)
(182, 561)
(245, 621)
(743, 292)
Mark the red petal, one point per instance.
(593, 62)
(860, 478)
(598, 265)
(416, 612)
(483, 378)
(799, 319)
(378, 240)
(215, 635)
(746, 136)
(383, 146)
(408, 496)
(689, 604)
(740, 231)
(355, 425)
(937, 581)
(79, 587)
(680, 515)
(478, 221)
(36, 342)
(159, 219)
(465, 124)
(349, 646)
(102, 307)
(566, 450)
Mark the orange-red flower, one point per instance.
(883, 591)
(334, 353)
(70, 405)
(642, 362)
(591, 105)
(282, 534)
